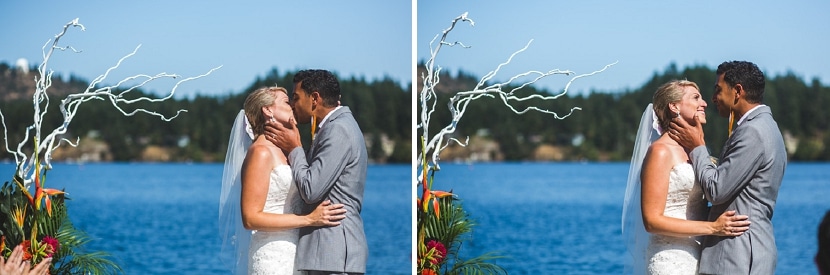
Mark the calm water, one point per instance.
(162, 218)
(564, 218)
(548, 218)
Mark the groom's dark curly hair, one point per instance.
(748, 75)
(322, 82)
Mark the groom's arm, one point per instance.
(314, 179)
(734, 171)
(316, 176)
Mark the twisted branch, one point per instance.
(458, 103)
(69, 106)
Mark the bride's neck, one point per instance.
(667, 139)
(261, 140)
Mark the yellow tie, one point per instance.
(314, 126)
(731, 120)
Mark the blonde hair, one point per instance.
(668, 93)
(253, 106)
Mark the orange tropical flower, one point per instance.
(435, 195)
(19, 182)
(27, 245)
(441, 194)
(41, 194)
(19, 216)
(425, 201)
(50, 192)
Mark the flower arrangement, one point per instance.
(39, 222)
(441, 220)
(35, 217)
(442, 227)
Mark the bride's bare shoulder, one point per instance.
(659, 149)
(266, 152)
(259, 152)
(665, 151)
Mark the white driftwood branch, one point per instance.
(434, 144)
(69, 106)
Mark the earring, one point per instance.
(678, 114)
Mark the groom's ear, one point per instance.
(739, 91)
(316, 99)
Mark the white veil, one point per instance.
(235, 238)
(633, 231)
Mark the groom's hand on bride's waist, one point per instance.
(327, 214)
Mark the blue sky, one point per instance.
(643, 36)
(373, 39)
(370, 39)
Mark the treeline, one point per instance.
(606, 126)
(381, 107)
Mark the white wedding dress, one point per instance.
(678, 255)
(274, 252)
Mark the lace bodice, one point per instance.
(281, 192)
(685, 198)
(274, 252)
(676, 255)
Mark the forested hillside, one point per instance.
(381, 107)
(606, 126)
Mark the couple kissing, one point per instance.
(284, 210)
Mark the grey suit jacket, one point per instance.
(746, 179)
(334, 169)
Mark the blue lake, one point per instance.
(163, 218)
(547, 218)
(564, 218)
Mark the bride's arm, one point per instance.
(255, 180)
(657, 166)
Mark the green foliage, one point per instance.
(201, 134)
(608, 119)
(452, 229)
(442, 228)
(70, 258)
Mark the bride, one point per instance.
(664, 208)
(258, 199)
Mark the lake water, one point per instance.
(564, 218)
(548, 218)
(163, 218)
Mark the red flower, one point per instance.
(27, 246)
(428, 272)
(53, 247)
(440, 251)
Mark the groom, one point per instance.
(748, 175)
(333, 169)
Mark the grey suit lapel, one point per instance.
(758, 112)
(321, 132)
(753, 115)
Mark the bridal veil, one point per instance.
(235, 238)
(634, 233)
